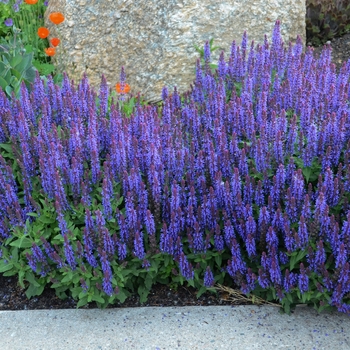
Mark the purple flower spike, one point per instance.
(320, 257)
(303, 280)
(290, 281)
(186, 269)
(208, 278)
(302, 233)
(165, 93)
(68, 252)
(207, 52)
(107, 274)
(250, 244)
(139, 250)
(341, 257)
(263, 279)
(237, 263)
(274, 269)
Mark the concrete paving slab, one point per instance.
(158, 328)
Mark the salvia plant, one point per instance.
(205, 53)
(243, 180)
(326, 19)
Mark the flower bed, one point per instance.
(243, 180)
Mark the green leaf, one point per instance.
(25, 62)
(143, 293)
(307, 172)
(31, 279)
(298, 293)
(4, 69)
(3, 83)
(82, 302)
(44, 68)
(58, 78)
(28, 48)
(148, 281)
(46, 219)
(286, 307)
(166, 260)
(190, 283)
(6, 147)
(68, 277)
(23, 242)
(14, 255)
(8, 90)
(296, 258)
(304, 298)
(120, 201)
(20, 278)
(76, 278)
(121, 296)
(218, 259)
(33, 291)
(29, 75)
(201, 291)
(82, 294)
(98, 298)
(5, 267)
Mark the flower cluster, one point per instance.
(43, 32)
(253, 161)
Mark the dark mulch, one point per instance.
(12, 297)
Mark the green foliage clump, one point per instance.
(326, 19)
(16, 65)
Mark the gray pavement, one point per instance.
(156, 328)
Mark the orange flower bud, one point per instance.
(43, 32)
(124, 91)
(50, 51)
(56, 17)
(55, 41)
(31, 2)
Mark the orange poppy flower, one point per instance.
(50, 51)
(124, 91)
(43, 32)
(55, 41)
(31, 2)
(56, 17)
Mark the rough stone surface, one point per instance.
(154, 39)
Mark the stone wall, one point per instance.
(154, 39)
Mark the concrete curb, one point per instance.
(156, 328)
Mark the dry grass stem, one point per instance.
(238, 297)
